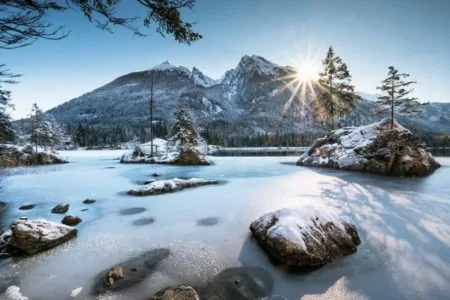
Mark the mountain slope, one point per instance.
(255, 97)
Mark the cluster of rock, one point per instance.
(307, 236)
(374, 148)
(31, 236)
(157, 187)
(12, 156)
(184, 146)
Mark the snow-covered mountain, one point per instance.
(256, 96)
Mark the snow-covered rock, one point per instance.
(307, 236)
(32, 236)
(75, 292)
(13, 293)
(373, 148)
(176, 293)
(169, 186)
(14, 156)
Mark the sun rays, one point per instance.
(302, 82)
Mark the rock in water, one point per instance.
(89, 201)
(61, 208)
(238, 284)
(32, 236)
(129, 273)
(71, 220)
(373, 148)
(308, 236)
(27, 206)
(176, 293)
(169, 186)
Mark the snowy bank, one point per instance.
(32, 236)
(13, 293)
(14, 156)
(373, 148)
(307, 236)
(169, 186)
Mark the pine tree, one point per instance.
(395, 89)
(39, 130)
(6, 132)
(337, 94)
(183, 135)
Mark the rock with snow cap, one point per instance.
(374, 148)
(169, 186)
(32, 236)
(307, 236)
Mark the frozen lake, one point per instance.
(404, 224)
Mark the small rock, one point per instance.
(149, 181)
(208, 221)
(71, 220)
(116, 273)
(85, 209)
(176, 293)
(88, 201)
(61, 208)
(156, 174)
(23, 218)
(27, 206)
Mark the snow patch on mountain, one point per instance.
(166, 66)
(201, 79)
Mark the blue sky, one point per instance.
(369, 35)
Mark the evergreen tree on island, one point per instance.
(184, 142)
(39, 129)
(395, 89)
(337, 95)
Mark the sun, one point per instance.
(307, 71)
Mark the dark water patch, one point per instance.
(131, 211)
(143, 221)
(109, 167)
(127, 274)
(211, 221)
(288, 163)
(238, 284)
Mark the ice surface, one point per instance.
(403, 223)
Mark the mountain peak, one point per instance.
(166, 66)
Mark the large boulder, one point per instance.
(130, 272)
(307, 236)
(169, 186)
(32, 236)
(374, 148)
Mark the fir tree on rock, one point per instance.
(185, 146)
(395, 89)
(337, 95)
